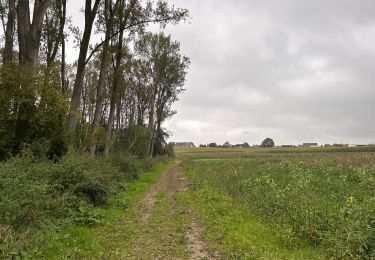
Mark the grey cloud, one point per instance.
(293, 70)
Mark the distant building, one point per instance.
(227, 145)
(183, 144)
(310, 145)
(244, 145)
(341, 145)
(337, 145)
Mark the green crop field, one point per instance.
(316, 202)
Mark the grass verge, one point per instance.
(164, 234)
(113, 226)
(236, 234)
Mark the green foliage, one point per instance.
(132, 166)
(36, 195)
(170, 151)
(268, 142)
(237, 233)
(87, 217)
(32, 112)
(96, 193)
(94, 232)
(129, 167)
(327, 199)
(160, 145)
(133, 140)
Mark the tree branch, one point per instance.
(2, 17)
(97, 47)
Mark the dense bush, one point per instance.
(95, 192)
(330, 202)
(35, 195)
(133, 140)
(33, 112)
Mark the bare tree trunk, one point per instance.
(63, 66)
(157, 131)
(103, 68)
(114, 96)
(115, 87)
(9, 33)
(151, 122)
(152, 142)
(29, 34)
(118, 123)
(116, 77)
(90, 15)
(54, 43)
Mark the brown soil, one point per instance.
(170, 183)
(197, 246)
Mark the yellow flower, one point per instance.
(257, 180)
(350, 199)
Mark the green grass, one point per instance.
(164, 234)
(326, 199)
(207, 152)
(119, 222)
(45, 204)
(234, 232)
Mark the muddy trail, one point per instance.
(168, 229)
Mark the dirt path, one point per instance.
(168, 230)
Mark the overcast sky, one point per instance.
(293, 70)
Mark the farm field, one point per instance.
(317, 202)
(205, 204)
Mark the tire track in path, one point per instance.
(167, 228)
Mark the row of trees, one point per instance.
(116, 95)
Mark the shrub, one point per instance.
(129, 166)
(133, 140)
(96, 193)
(66, 179)
(32, 111)
(39, 193)
(87, 217)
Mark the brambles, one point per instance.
(36, 196)
(95, 192)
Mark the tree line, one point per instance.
(116, 95)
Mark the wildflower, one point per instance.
(257, 180)
(350, 199)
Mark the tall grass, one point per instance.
(328, 200)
